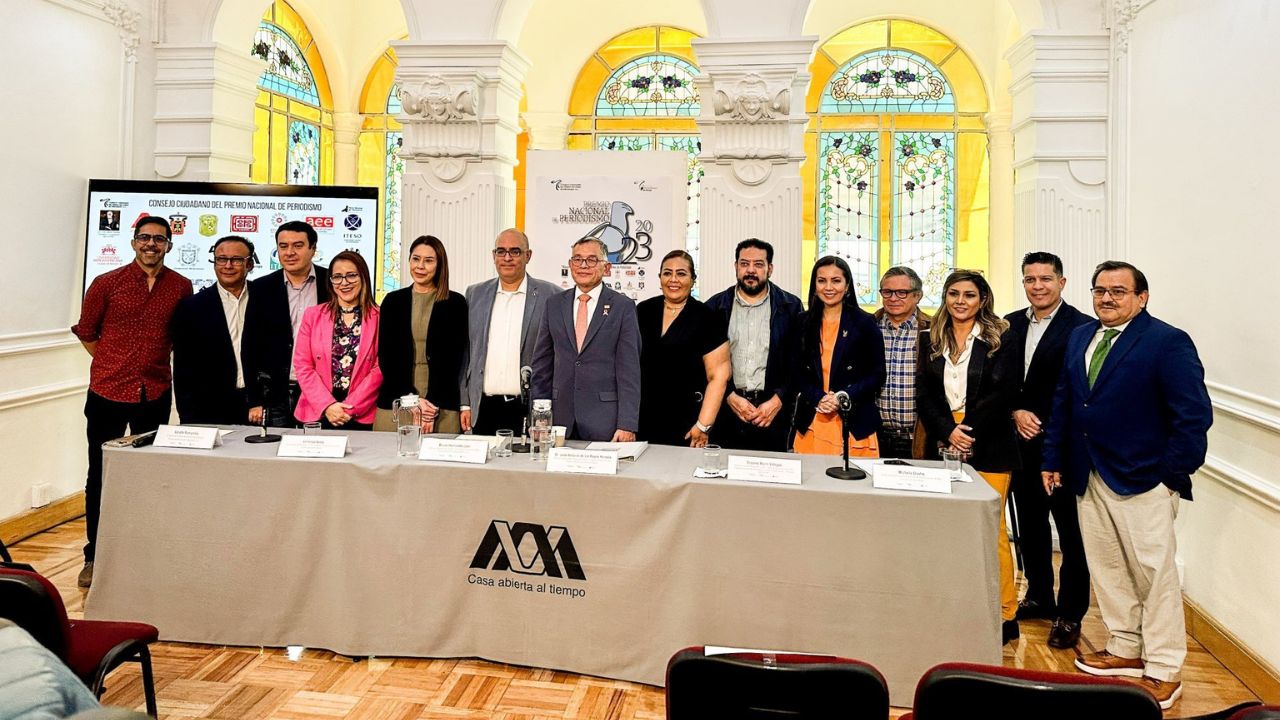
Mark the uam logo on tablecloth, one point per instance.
(528, 549)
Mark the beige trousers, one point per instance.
(1130, 544)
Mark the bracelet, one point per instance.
(704, 428)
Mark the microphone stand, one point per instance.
(264, 384)
(846, 472)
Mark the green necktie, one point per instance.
(1100, 355)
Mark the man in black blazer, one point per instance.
(209, 380)
(273, 320)
(1042, 331)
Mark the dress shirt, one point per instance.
(1097, 338)
(300, 298)
(897, 400)
(955, 376)
(233, 308)
(130, 323)
(502, 359)
(594, 298)
(1035, 331)
(749, 327)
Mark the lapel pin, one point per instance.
(606, 311)
(844, 333)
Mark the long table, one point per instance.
(601, 575)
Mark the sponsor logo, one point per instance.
(352, 209)
(352, 222)
(320, 223)
(109, 220)
(108, 251)
(528, 549)
(109, 203)
(187, 254)
(642, 187)
(107, 255)
(244, 223)
(563, 186)
(178, 223)
(278, 219)
(208, 225)
(141, 215)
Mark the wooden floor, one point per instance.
(236, 683)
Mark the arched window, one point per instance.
(380, 164)
(897, 151)
(637, 93)
(293, 116)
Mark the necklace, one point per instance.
(676, 308)
(348, 311)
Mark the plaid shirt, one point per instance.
(897, 398)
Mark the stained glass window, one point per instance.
(380, 165)
(650, 86)
(391, 212)
(888, 81)
(898, 144)
(293, 137)
(624, 142)
(849, 205)
(691, 146)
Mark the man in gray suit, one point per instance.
(587, 359)
(504, 314)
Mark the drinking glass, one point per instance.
(310, 428)
(953, 460)
(712, 459)
(504, 443)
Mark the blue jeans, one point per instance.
(34, 683)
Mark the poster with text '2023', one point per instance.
(345, 218)
(633, 202)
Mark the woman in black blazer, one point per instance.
(841, 349)
(423, 342)
(970, 375)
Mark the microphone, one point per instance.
(842, 398)
(526, 374)
(264, 384)
(844, 472)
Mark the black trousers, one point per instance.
(1034, 507)
(894, 445)
(108, 420)
(731, 433)
(280, 412)
(500, 412)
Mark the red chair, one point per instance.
(1257, 712)
(951, 690)
(753, 686)
(91, 648)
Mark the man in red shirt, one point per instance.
(124, 324)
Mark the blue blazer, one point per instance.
(857, 367)
(786, 315)
(1146, 420)
(597, 391)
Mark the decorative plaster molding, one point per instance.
(1123, 13)
(1259, 411)
(1241, 481)
(126, 20)
(752, 100)
(41, 393)
(435, 100)
(23, 343)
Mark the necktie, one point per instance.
(1100, 355)
(580, 326)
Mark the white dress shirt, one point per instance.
(233, 308)
(1035, 332)
(1097, 338)
(955, 375)
(502, 358)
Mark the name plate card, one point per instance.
(187, 436)
(591, 462)
(471, 450)
(313, 446)
(764, 469)
(911, 477)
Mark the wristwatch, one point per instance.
(700, 426)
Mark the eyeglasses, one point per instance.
(584, 262)
(348, 279)
(144, 239)
(900, 294)
(507, 253)
(233, 261)
(1116, 293)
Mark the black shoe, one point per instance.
(1064, 635)
(1008, 631)
(1036, 610)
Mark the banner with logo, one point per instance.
(632, 201)
(345, 218)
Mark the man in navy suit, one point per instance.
(587, 359)
(1129, 426)
(209, 382)
(1042, 330)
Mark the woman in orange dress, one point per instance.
(841, 350)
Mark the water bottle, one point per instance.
(540, 429)
(408, 419)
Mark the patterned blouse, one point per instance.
(346, 345)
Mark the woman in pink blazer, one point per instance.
(335, 357)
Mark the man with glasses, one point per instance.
(764, 322)
(901, 324)
(587, 356)
(209, 382)
(279, 300)
(504, 315)
(1129, 426)
(1041, 331)
(124, 325)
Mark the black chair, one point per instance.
(991, 692)
(756, 686)
(1255, 711)
(91, 648)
